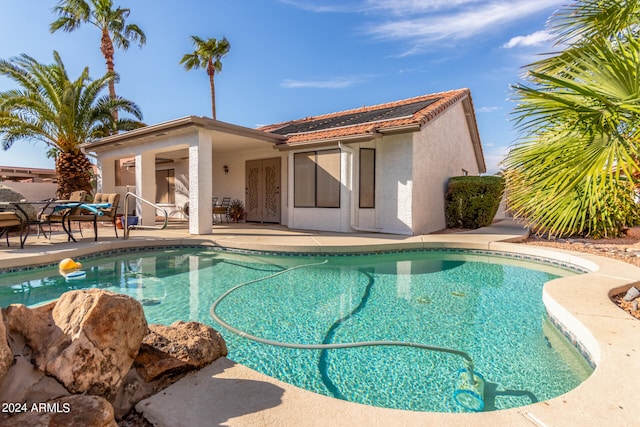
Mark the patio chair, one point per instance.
(109, 214)
(214, 203)
(38, 222)
(223, 209)
(8, 220)
(54, 216)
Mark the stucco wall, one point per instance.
(441, 150)
(394, 184)
(324, 219)
(32, 190)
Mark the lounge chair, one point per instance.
(108, 214)
(8, 220)
(55, 216)
(44, 210)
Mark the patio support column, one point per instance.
(106, 179)
(290, 191)
(200, 185)
(145, 187)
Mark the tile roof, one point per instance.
(369, 119)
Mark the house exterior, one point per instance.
(381, 168)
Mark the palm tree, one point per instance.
(208, 54)
(111, 23)
(574, 169)
(49, 107)
(587, 20)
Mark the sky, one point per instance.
(291, 59)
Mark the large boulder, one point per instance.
(28, 385)
(177, 348)
(166, 354)
(93, 342)
(87, 340)
(9, 195)
(29, 326)
(70, 411)
(97, 337)
(6, 355)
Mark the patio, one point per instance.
(248, 398)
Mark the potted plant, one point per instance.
(236, 210)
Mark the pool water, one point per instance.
(490, 307)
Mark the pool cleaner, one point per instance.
(469, 389)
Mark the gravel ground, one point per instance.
(625, 249)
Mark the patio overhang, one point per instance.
(224, 136)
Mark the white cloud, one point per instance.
(412, 7)
(488, 109)
(423, 23)
(459, 24)
(336, 83)
(326, 7)
(493, 156)
(534, 39)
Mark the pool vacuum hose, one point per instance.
(469, 388)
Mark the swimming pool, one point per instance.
(487, 306)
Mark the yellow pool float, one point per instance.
(69, 264)
(70, 269)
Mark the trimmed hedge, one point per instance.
(472, 201)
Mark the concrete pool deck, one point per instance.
(226, 393)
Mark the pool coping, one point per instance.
(580, 303)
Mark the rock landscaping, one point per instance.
(87, 358)
(626, 249)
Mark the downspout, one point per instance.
(351, 152)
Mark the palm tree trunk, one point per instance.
(211, 72)
(74, 173)
(106, 46)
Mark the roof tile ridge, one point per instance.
(364, 108)
(434, 110)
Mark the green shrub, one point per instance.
(472, 201)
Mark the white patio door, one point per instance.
(262, 191)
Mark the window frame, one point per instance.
(373, 179)
(313, 156)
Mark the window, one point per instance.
(317, 179)
(165, 186)
(367, 178)
(125, 172)
(304, 180)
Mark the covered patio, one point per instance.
(188, 160)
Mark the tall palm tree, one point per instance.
(111, 23)
(48, 107)
(208, 54)
(574, 169)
